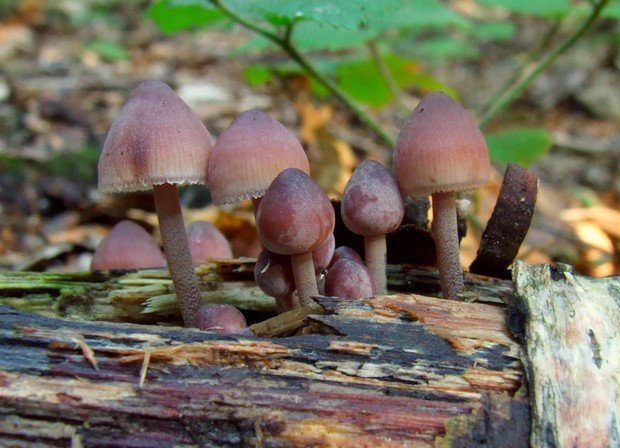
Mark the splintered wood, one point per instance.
(572, 356)
(398, 370)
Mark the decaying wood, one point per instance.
(396, 370)
(572, 356)
(403, 369)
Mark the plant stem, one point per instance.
(520, 85)
(289, 48)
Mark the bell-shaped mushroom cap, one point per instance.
(371, 203)
(206, 241)
(127, 246)
(295, 216)
(349, 279)
(155, 139)
(249, 154)
(440, 148)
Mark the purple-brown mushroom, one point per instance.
(295, 217)
(220, 318)
(127, 246)
(372, 207)
(440, 150)
(206, 241)
(157, 142)
(349, 279)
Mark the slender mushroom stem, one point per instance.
(444, 231)
(177, 252)
(305, 278)
(375, 251)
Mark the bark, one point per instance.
(397, 370)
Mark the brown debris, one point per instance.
(508, 224)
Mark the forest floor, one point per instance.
(59, 93)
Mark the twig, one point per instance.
(289, 48)
(520, 85)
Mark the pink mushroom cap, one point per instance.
(155, 139)
(220, 318)
(295, 216)
(440, 148)
(349, 279)
(127, 246)
(371, 203)
(249, 154)
(206, 241)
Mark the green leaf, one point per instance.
(172, 16)
(361, 79)
(543, 8)
(257, 75)
(107, 49)
(350, 15)
(519, 145)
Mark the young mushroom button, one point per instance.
(295, 217)
(157, 142)
(440, 151)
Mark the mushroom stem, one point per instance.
(177, 253)
(375, 251)
(444, 231)
(305, 278)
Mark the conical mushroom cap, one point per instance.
(249, 154)
(155, 139)
(440, 148)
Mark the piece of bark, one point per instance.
(572, 360)
(509, 223)
(397, 370)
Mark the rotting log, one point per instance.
(397, 370)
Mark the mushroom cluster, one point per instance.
(157, 143)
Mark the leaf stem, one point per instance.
(526, 79)
(289, 48)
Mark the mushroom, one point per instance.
(220, 318)
(295, 217)
(127, 246)
(344, 252)
(156, 141)
(349, 278)
(206, 241)
(274, 276)
(440, 150)
(372, 207)
(248, 155)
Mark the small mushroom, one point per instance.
(295, 217)
(206, 241)
(274, 276)
(372, 207)
(440, 151)
(220, 318)
(349, 279)
(127, 246)
(157, 142)
(344, 252)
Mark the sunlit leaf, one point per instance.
(545, 8)
(172, 16)
(519, 145)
